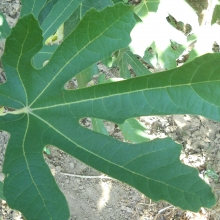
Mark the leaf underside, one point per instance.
(45, 113)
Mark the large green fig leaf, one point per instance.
(29, 185)
(42, 112)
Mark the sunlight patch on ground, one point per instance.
(106, 188)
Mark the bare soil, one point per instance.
(92, 196)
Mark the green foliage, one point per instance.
(68, 12)
(32, 7)
(42, 112)
(60, 12)
(86, 5)
(1, 191)
(146, 6)
(46, 150)
(210, 172)
(4, 27)
(134, 131)
(125, 58)
(216, 14)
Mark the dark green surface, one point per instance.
(31, 7)
(47, 114)
(29, 186)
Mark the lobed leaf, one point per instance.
(29, 185)
(45, 113)
(190, 89)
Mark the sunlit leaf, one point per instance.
(29, 186)
(146, 6)
(216, 14)
(1, 191)
(5, 30)
(42, 112)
